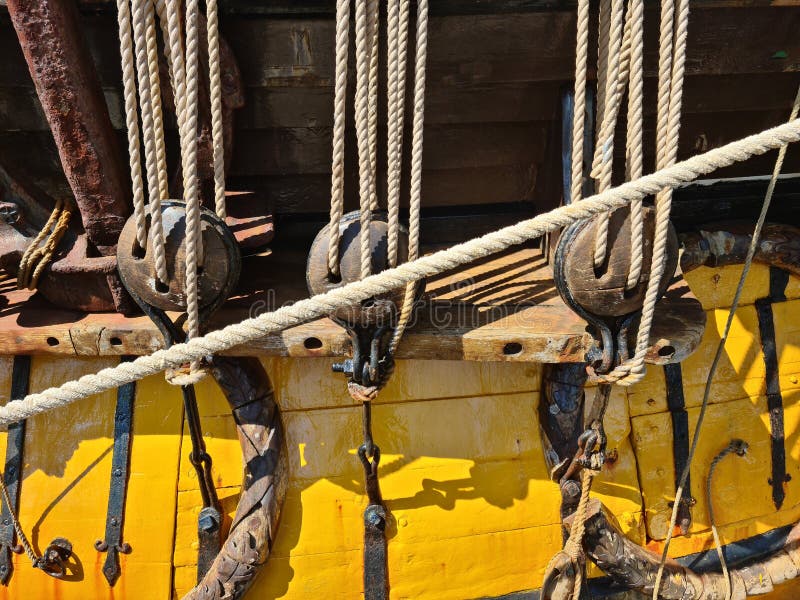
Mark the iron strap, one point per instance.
(120, 467)
(673, 378)
(376, 571)
(20, 380)
(778, 280)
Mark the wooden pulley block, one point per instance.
(219, 263)
(380, 310)
(602, 291)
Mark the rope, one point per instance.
(397, 32)
(155, 102)
(416, 168)
(35, 559)
(140, 23)
(739, 448)
(215, 91)
(339, 110)
(365, 179)
(633, 141)
(573, 549)
(390, 279)
(373, 22)
(602, 165)
(40, 251)
(579, 109)
(633, 370)
(191, 192)
(748, 261)
(132, 119)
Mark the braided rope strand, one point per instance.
(579, 108)
(633, 140)
(420, 67)
(132, 119)
(140, 22)
(339, 111)
(215, 92)
(425, 266)
(365, 175)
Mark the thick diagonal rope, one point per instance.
(215, 92)
(415, 201)
(339, 111)
(365, 174)
(132, 119)
(748, 261)
(140, 23)
(633, 140)
(579, 106)
(390, 279)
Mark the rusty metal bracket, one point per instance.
(69, 90)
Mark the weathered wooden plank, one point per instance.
(503, 309)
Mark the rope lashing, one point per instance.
(573, 548)
(426, 266)
(748, 261)
(40, 251)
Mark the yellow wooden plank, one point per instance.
(309, 383)
(65, 488)
(463, 477)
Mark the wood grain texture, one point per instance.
(502, 309)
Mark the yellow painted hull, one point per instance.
(474, 513)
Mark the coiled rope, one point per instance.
(40, 251)
(425, 266)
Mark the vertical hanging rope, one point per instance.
(398, 43)
(633, 141)
(373, 38)
(339, 110)
(393, 208)
(604, 151)
(603, 24)
(132, 119)
(365, 174)
(669, 147)
(140, 10)
(215, 90)
(579, 110)
(155, 102)
(415, 200)
(190, 180)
